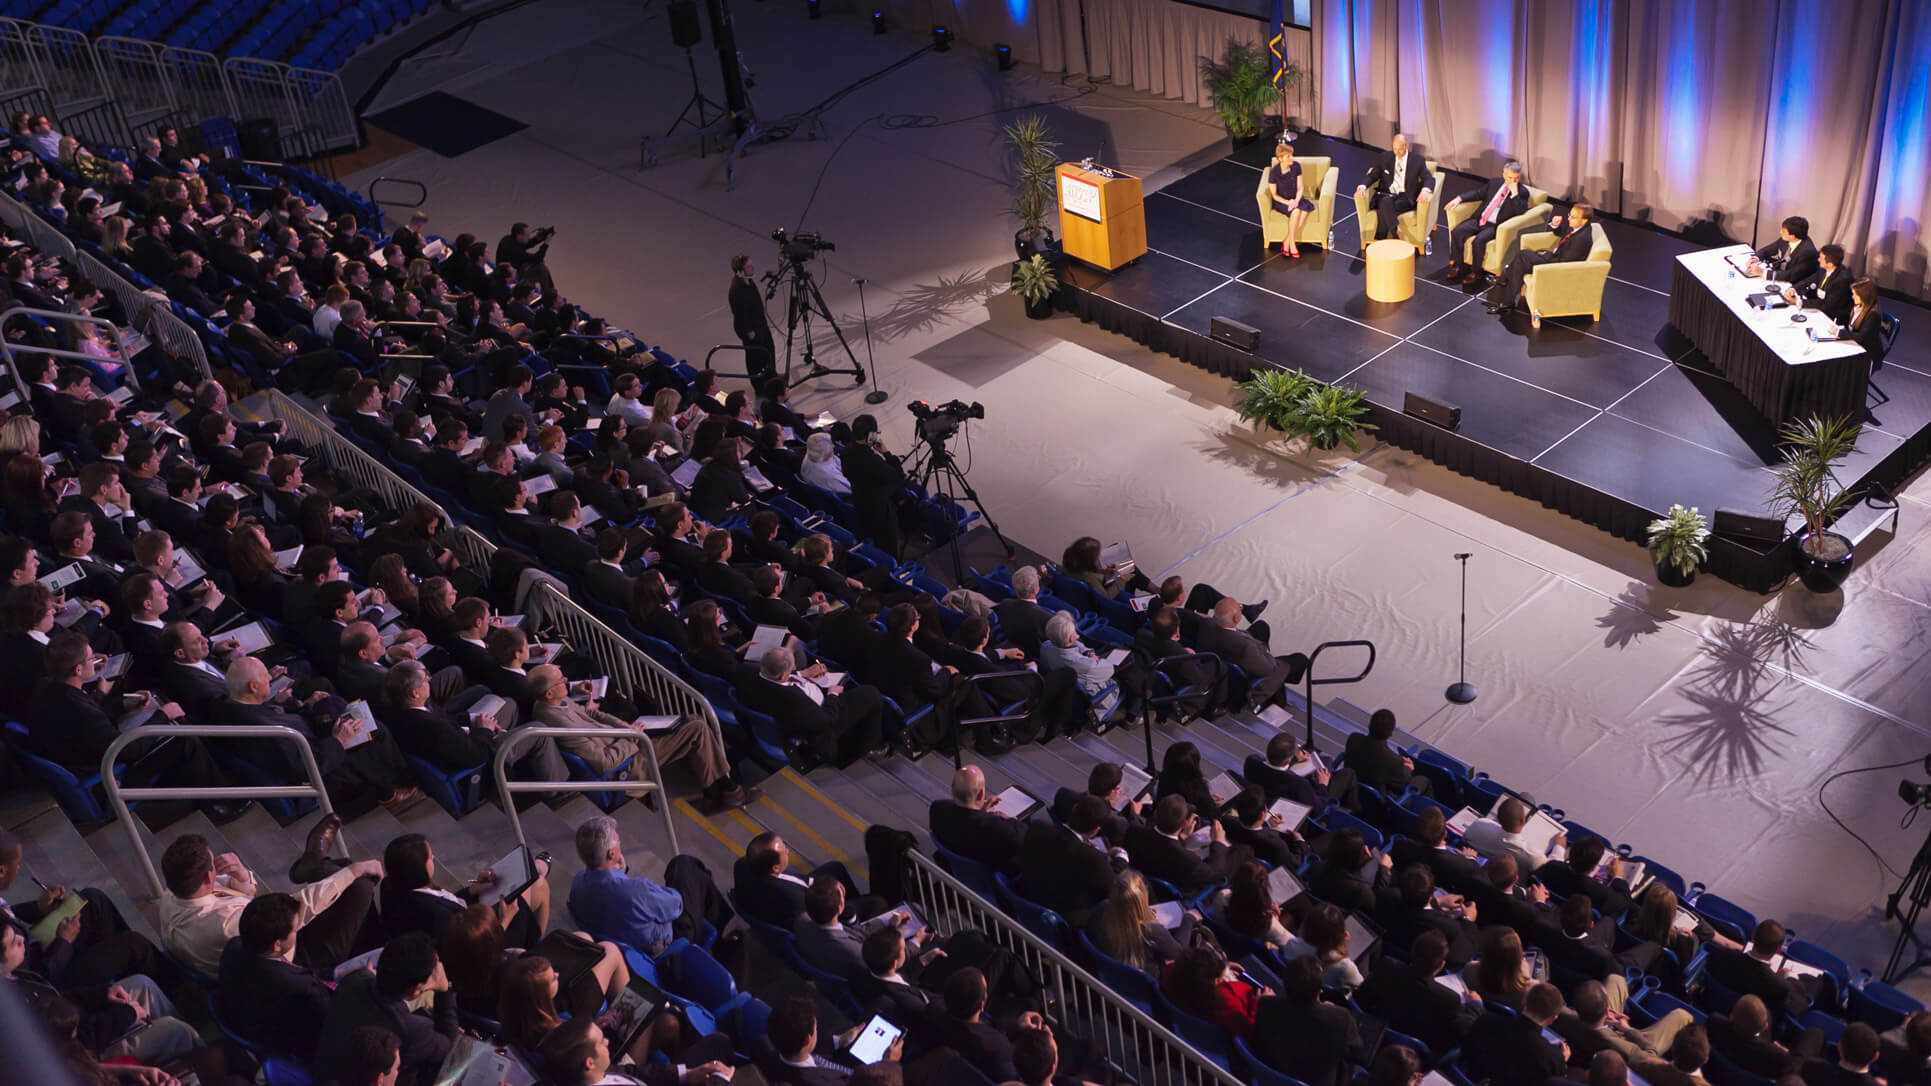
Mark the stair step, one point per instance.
(53, 851)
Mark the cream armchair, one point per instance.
(1571, 288)
(1506, 232)
(1321, 179)
(1413, 227)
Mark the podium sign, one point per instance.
(1102, 221)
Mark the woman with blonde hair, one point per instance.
(19, 433)
(114, 237)
(1288, 191)
(1127, 929)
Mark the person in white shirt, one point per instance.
(628, 402)
(821, 468)
(206, 893)
(1501, 831)
(577, 1053)
(1063, 650)
(329, 313)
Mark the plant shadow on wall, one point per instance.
(1634, 614)
(1733, 724)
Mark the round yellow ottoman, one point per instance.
(1391, 270)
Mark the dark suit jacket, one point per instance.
(980, 1043)
(1381, 178)
(69, 726)
(1453, 871)
(1401, 924)
(1281, 783)
(1511, 206)
(1317, 1043)
(275, 758)
(775, 611)
(1664, 1073)
(110, 533)
(1611, 898)
(1832, 296)
(1377, 765)
(1743, 974)
(765, 897)
(1270, 846)
(797, 715)
(272, 1002)
(607, 585)
(721, 579)
(1799, 260)
(1584, 955)
(1266, 673)
(1062, 872)
(426, 1040)
(1156, 855)
(1759, 1055)
(1514, 908)
(196, 690)
(1022, 624)
(258, 343)
(1509, 1050)
(903, 672)
(977, 835)
(1416, 1005)
(836, 952)
(845, 637)
(563, 549)
(442, 738)
(357, 679)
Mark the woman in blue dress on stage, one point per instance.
(1284, 188)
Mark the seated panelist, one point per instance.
(1287, 188)
(1397, 183)
(1828, 289)
(1575, 239)
(1791, 258)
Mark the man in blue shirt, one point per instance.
(613, 904)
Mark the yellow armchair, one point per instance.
(1322, 180)
(1506, 232)
(1571, 288)
(1413, 227)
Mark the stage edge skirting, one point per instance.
(1733, 561)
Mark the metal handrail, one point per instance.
(118, 796)
(523, 733)
(961, 723)
(8, 349)
(1312, 682)
(422, 191)
(1149, 1052)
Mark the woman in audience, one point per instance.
(218, 521)
(930, 636)
(709, 652)
(1082, 560)
(411, 900)
(1180, 775)
(392, 577)
(1342, 876)
(706, 436)
(1203, 983)
(114, 238)
(436, 610)
(821, 468)
(1394, 1065)
(612, 441)
(1324, 937)
(1655, 927)
(719, 487)
(1246, 908)
(474, 957)
(654, 613)
(665, 424)
(413, 535)
(526, 1006)
(19, 433)
(30, 495)
(322, 524)
(87, 340)
(258, 584)
(1501, 973)
(1127, 929)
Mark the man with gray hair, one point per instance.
(970, 824)
(1500, 200)
(451, 734)
(842, 723)
(1266, 673)
(689, 738)
(1062, 649)
(610, 902)
(1022, 621)
(360, 767)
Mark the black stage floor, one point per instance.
(1609, 421)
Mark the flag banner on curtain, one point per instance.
(1277, 47)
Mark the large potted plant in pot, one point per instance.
(1807, 487)
(1329, 416)
(1033, 280)
(1677, 545)
(1035, 183)
(1239, 88)
(1268, 397)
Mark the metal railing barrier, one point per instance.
(1311, 682)
(522, 734)
(11, 351)
(119, 797)
(421, 195)
(1124, 1034)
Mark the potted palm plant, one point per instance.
(1330, 415)
(1033, 280)
(1677, 545)
(1034, 185)
(1268, 396)
(1807, 486)
(1238, 85)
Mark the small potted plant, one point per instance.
(1240, 89)
(1807, 486)
(1677, 545)
(1330, 415)
(1268, 396)
(1033, 280)
(1035, 184)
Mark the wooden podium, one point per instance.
(1102, 221)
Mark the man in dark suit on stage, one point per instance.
(1828, 289)
(1575, 240)
(1791, 258)
(1397, 183)
(748, 320)
(1500, 200)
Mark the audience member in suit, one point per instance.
(1904, 1055)
(1298, 1035)
(358, 774)
(961, 1023)
(407, 971)
(1684, 1065)
(1510, 1050)
(767, 607)
(1159, 642)
(878, 482)
(882, 984)
(968, 825)
(605, 579)
(1266, 673)
(1792, 257)
(263, 994)
(1105, 781)
(1503, 899)
(1022, 621)
(187, 677)
(1063, 867)
(1500, 200)
(823, 940)
(1339, 877)
(1376, 762)
(1408, 908)
(1575, 239)
(560, 543)
(788, 1054)
(1576, 943)
(1828, 289)
(1273, 772)
(846, 635)
(1591, 1025)
(1744, 1038)
(717, 575)
(1748, 971)
(1407, 995)
(1249, 824)
(764, 889)
(905, 673)
(1456, 869)
(842, 724)
(1576, 875)
(1397, 183)
(1160, 849)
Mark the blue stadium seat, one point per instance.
(1133, 985)
(1881, 1006)
(458, 793)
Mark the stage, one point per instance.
(1608, 422)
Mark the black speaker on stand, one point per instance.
(686, 32)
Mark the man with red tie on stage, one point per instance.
(1575, 241)
(1501, 200)
(1397, 184)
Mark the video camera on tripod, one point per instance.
(807, 244)
(937, 424)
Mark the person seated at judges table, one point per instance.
(1828, 289)
(1791, 258)
(1501, 200)
(1287, 190)
(689, 738)
(1866, 323)
(1573, 245)
(1395, 184)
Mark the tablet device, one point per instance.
(875, 1040)
(1015, 803)
(514, 874)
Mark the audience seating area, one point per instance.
(319, 34)
(668, 497)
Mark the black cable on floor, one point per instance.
(1905, 821)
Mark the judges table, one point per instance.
(1768, 357)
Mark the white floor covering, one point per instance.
(1695, 724)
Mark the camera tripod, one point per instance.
(803, 302)
(931, 466)
(1906, 903)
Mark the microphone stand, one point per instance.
(877, 394)
(1463, 692)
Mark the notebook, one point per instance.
(1015, 803)
(252, 638)
(764, 640)
(599, 688)
(472, 1062)
(1224, 786)
(515, 872)
(657, 725)
(685, 474)
(1119, 557)
(360, 710)
(1169, 914)
(1308, 766)
(910, 929)
(1135, 782)
(1292, 813)
(1461, 820)
(1282, 886)
(488, 705)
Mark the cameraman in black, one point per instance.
(748, 320)
(524, 249)
(878, 484)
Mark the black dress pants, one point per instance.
(1388, 209)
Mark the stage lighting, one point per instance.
(878, 22)
(1004, 53)
(811, 7)
(941, 39)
